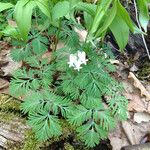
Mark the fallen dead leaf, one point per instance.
(128, 133)
(7, 65)
(82, 34)
(47, 55)
(135, 103)
(135, 131)
(11, 67)
(140, 86)
(60, 45)
(12, 23)
(118, 138)
(134, 68)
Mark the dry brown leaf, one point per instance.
(12, 23)
(134, 68)
(60, 45)
(128, 133)
(10, 67)
(7, 65)
(135, 103)
(134, 131)
(82, 34)
(118, 138)
(47, 55)
(140, 86)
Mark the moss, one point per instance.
(68, 146)
(9, 103)
(144, 71)
(6, 116)
(13, 146)
(30, 142)
(67, 131)
(9, 112)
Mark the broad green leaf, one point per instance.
(61, 9)
(4, 6)
(12, 32)
(138, 31)
(109, 18)
(23, 14)
(88, 19)
(44, 7)
(143, 13)
(100, 13)
(86, 7)
(120, 31)
(89, 11)
(121, 11)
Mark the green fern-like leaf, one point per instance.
(19, 54)
(36, 101)
(23, 82)
(39, 44)
(45, 125)
(107, 121)
(89, 135)
(118, 106)
(80, 115)
(89, 99)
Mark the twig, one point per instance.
(143, 38)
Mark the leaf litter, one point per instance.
(133, 130)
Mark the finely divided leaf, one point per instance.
(45, 125)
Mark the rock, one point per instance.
(140, 117)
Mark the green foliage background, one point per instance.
(90, 100)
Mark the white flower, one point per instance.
(72, 60)
(77, 65)
(82, 57)
(77, 59)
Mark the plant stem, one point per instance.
(143, 38)
(57, 36)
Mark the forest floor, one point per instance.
(133, 72)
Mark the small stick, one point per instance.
(144, 41)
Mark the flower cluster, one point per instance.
(77, 59)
